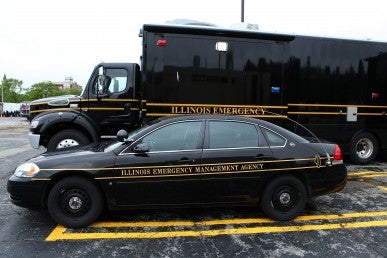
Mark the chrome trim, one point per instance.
(280, 146)
(177, 122)
(34, 140)
(237, 148)
(153, 152)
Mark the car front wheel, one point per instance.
(284, 198)
(75, 202)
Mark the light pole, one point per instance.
(242, 10)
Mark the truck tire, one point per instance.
(67, 138)
(284, 198)
(364, 148)
(75, 202)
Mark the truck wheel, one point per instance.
(284, 198)
(65, 139)
(364, 148)
(75, 202)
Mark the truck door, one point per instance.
(114, 108)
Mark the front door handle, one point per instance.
(185, 160)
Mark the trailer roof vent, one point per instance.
(244, 26)
(191, 23)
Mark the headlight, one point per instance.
(34, 124)
(27, 170)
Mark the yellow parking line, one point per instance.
(378, 186)
(233, 221)
(58, 233)
(367, 174)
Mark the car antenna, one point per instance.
(329, 162)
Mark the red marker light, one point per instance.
(162, 42)
(375, 95)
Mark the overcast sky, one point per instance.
(48, 40)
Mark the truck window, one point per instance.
(118, 79)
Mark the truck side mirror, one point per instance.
(122, 135)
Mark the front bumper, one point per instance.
(34, 140)
(27, 193)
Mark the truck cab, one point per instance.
(109, 102)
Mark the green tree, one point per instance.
(43, 90)
(12, 89)
(48, 89)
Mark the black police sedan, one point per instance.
(179, 161)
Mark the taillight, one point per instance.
(337, 156)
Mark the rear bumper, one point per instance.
(331, 179)
(34, 140)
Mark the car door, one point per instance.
(235, 155)
(158, 168)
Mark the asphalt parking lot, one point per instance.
(350, 223)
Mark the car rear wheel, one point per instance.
(65, 139)
(75, 202)
(364, 148)
(284, 198)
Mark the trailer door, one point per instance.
(196, 69)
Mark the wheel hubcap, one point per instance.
(284, 198)
(364, 148)
(75, 203)
(66, 143)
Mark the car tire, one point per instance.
(65, 139)
(364, 148)
(75, 202)
(284, 198)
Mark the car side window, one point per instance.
(174, 137)
(273, 139)
(230, 134)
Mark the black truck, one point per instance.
(337, 88)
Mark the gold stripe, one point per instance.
(334, 113)
(333, 105)
(202, 165)
(317, 113)
(206, 173)
(54, 110)
(371, 114)
(103, 108)
(211, 105)
(40, 179)
(169, 114)
(88, 100)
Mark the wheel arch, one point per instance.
(64, 174)
(303, 177)
(374, 133)
(54, 122)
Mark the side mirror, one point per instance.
(122, 135)
(141, 148)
